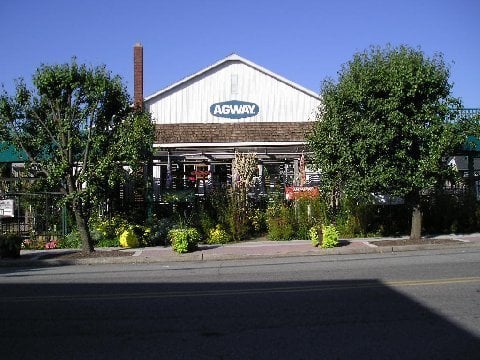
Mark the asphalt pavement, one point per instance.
(258, 248)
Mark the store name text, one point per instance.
(234, 109)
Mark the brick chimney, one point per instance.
(138, 76)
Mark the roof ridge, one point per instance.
(234, 57)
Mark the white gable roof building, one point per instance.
(232, 79)
(232, 105)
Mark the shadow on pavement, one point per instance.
(265, 320)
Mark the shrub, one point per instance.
(10, 245)
(308, 212)
(184, 239)
(280, 222)
(143, 234)
(108, 230)
(112, 242)
(238, 214)
(315, 235)
(235, 211)
(34, 243)
(128, 238)
(205, 222)
(218, 236)
(159, 231)
(259, 221)
(330, 236)
(71, 241)
(280, 229)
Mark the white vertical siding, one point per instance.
(190, 102)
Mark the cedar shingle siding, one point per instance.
(231, 132)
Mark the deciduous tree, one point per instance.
(386, 125)
(78, 130)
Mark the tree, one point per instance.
(386, 126)
(78, 130)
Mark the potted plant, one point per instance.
(10, 245)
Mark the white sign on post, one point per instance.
(7, 208)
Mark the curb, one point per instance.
(204, 255)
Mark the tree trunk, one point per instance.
(80, 218)
(416, 230)
(83, 230)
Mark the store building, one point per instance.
(231, 106)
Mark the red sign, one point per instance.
(298, 192)
(200, 174)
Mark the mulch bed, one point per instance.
(79, 255)
(423, 241)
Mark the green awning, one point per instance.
(9, 154)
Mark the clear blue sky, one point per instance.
(302, 40)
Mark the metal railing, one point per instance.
(467, 113)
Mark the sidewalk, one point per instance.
(259, 248)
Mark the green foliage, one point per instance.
(71, 241)
(179, 196)
(308, 212)
(159, 231)
(330, 236)
(288, 220)
(205, 222)
(107, 232)
(10, 245)
(110, 228)
(315, 235)
(234, 211)
(77, 114)
(239, 213)
(359, 219)
(108, 242)
(280, 221)
(218, 236)
(258, 220)
(451, 213)
(34, 243)
(184, 239)
(128, 238)
(385, 126)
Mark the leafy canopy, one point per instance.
(76, 127)
(386, 124)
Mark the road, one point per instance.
(412, 305)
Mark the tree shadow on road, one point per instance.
(261, 320)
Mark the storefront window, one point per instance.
(221, 175)
(201, 177)
(277, 175)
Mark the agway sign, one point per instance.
(234, 109)
(6, 208)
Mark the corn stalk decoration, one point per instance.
(244, 167)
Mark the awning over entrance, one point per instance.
(226, 152)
